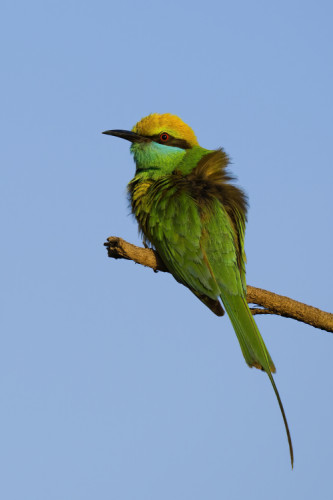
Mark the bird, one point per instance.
(190, 211)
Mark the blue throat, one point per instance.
(155, 158)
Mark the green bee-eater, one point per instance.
(191, 213)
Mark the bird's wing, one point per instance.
(175, 231)
(210, 180)
(196, 244)
(219, 245)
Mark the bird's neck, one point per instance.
(154, 160)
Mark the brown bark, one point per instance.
(269, 302)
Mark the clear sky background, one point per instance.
(115, 382)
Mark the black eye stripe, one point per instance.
(172, 141)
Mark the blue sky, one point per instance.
(115, 382)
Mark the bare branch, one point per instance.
(269, 302)
(258, 310)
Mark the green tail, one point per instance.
(253, 347)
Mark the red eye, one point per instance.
(164, 137)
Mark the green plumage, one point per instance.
(191, 213)
(196, 222)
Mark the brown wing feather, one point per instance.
(211, 179)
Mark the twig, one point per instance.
(269, 302)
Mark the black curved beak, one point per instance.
(127, 134)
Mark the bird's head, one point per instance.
(159, 142)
